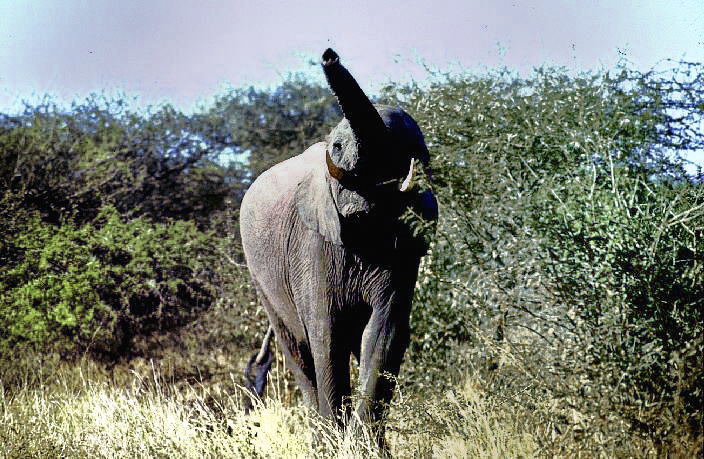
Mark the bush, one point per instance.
(626, 258)
(543, 276)
(160, 163)
(96, 286)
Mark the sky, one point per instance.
(185, 52)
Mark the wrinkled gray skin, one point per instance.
(333, 263)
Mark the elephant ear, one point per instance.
(316, 207)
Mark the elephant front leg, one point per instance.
(384, 342)
(332, 374)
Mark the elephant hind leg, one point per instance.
(297, 353)
(299, 360)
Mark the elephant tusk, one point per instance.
(406, 184)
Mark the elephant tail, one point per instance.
(255, 374)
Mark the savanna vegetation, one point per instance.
(559, 310)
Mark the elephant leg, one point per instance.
(297, 355)
(299, 361)
(384, 342)
(332, 372)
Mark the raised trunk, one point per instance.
(364, 120)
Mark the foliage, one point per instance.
(71, 163)
(551, 190)
(627, 260)
(270, 126)
(96, 286)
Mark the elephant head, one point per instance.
(372, 153)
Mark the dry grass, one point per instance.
(79, 410)
(462, 423)
(52, 408)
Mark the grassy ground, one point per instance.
(81, 410)
(54, 408)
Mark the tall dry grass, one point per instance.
(78, 409)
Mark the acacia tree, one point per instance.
(269, 126)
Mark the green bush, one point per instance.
(543, 276)
(495, 141)
(158, 163)
(626, 257)
(96, 286)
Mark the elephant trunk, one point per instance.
(364, 120)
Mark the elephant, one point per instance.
(334, 255)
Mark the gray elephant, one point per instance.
(332, 256)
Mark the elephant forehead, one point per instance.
(401, 126)
(342, 133)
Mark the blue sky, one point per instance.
(186, 51)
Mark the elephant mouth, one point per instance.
(356, 216)
(356, 208)
(359, 211)
(351, 205)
